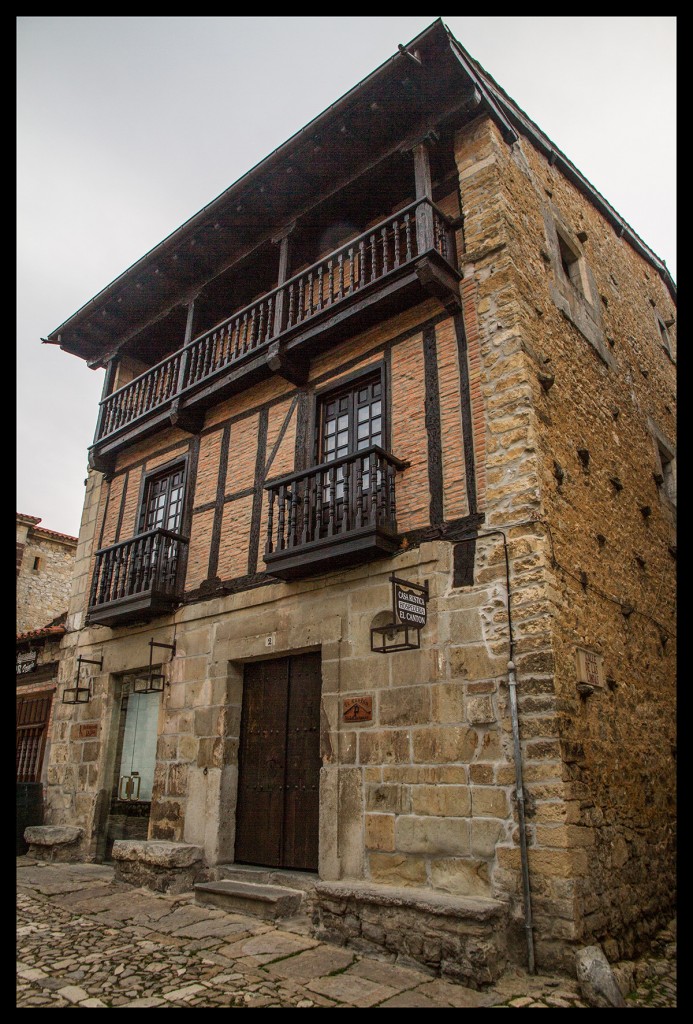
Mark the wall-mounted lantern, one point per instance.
(80, 694)
(152, 682)
(408, 618)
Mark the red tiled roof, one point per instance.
(52, 533)
(42, 529)
(40, 634)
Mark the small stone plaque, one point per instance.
(85, 731)
(358, 709)
(590, 667)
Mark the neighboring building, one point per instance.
(45, 560)
(38, 657)
(415, 341)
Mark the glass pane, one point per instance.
(375, 408)
(363, 413)
(363, 430)
(343, 422)
(139, 740)
(330, 427)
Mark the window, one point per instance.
(572, 264)
(667, 461)
(664, 336)
(573, 288)
(162, 504)
(37, 564)
(33, 714)
(350, 420)
(665, 465)
(161, 509)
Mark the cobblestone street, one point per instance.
(86, 940)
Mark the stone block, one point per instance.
(444, 744)
(397, 869)
(565, 836)
(383, 746)
(485, 835)
(483, 774)
(475, 662)
(479, 710)
(441, 801)
(463, 877)
(429, 835)
(387, 797)
(159, 865)
(448, 702)
(380, 832)
(404, 706)
(489, 802)
(463, 627)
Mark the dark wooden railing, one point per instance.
(365, 260)
(333, 500)
(142, 565)
(141, 395)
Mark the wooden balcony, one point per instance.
(336, 514)
(136, 579)
(400, 262)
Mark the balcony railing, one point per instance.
(361, 264)
(136, 577)
(336, 513)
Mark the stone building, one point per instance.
(45, 560)
(376, 573)
(38, 657)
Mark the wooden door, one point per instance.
(279, 764)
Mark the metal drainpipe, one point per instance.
(512, 683)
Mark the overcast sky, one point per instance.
(128, 126)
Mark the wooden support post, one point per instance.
(283, 273)
(185, 354)
(424, 190)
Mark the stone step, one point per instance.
(303, 880)
(236, 897)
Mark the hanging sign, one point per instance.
(410, 603)
(26, 662)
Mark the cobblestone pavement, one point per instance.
(86, 940)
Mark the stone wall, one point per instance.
(597, 416)
(44, 574)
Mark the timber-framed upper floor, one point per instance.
(226, 419)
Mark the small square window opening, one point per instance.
(570, 263)
(668, 474)
(664, 336)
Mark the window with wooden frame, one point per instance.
(33, 716)
(161, 515)
(350, 419)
